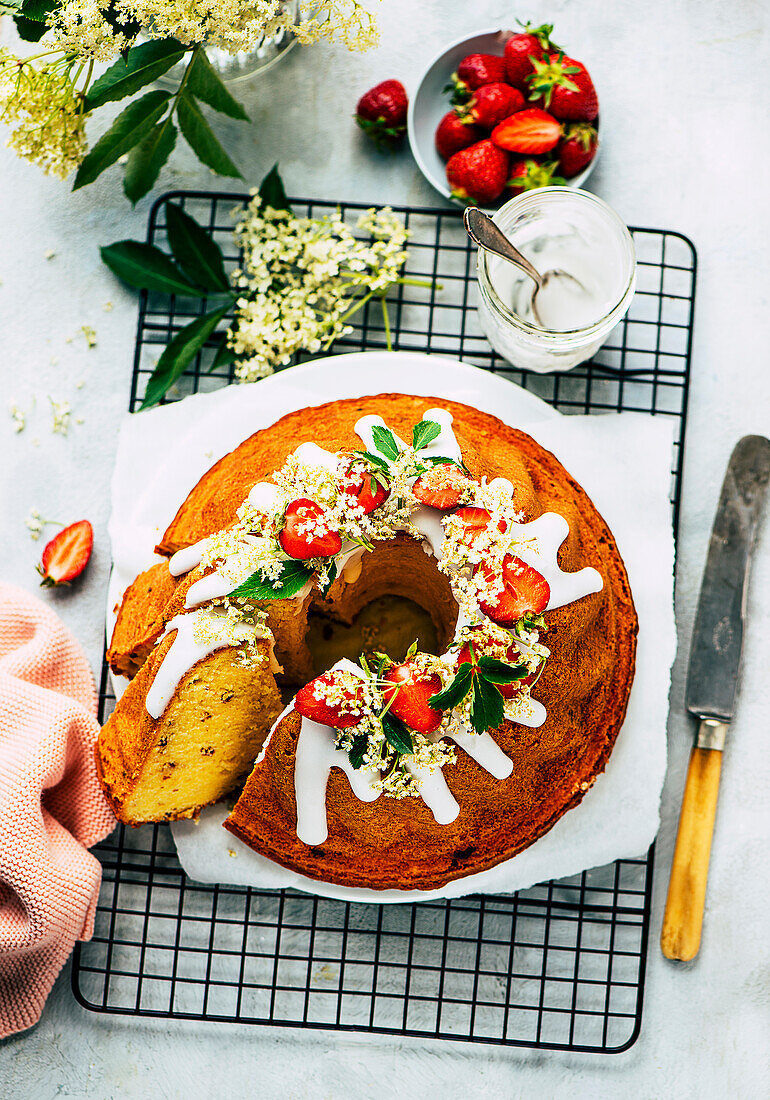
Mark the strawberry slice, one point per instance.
(524, 590)
(530, 131)
(410, 699)
(359, 482)
(307, 532)
(442, 486)
(66, 555)
(512, 657)
(310, 703)
(476, 520)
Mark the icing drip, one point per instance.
(482, 748)
(315, 758)
(185, 651)
(363, 429)
(310, 454)
(550, 531)
(264, 496)
(435, 793)
(186, 559)
(445, 444)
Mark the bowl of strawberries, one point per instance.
(504, 112)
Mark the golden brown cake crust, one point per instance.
(393, 843)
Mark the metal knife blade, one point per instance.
(717, 641)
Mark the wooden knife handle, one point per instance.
(683, 918)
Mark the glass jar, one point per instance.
(568, 230)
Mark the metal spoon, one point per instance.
(481, 229)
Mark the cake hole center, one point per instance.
(388, 624)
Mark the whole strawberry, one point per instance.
(577, 148)
(521, 48)
(491, 103)
(381, 113)
(452, 135)
(473, 71)
(478, 173)
(527, 174)
(563, 86)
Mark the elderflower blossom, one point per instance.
(78, 27)
(44, 110)
(344, 21)
(301, 278)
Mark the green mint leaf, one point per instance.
(385, 441)
(147, 268)
(486, 706)
(358, 750)
(294, 576)
(424, 433)
(144, 65)
(224, 357)
(179, 354)
(396, 734)
(272, 191)
(29, 30)
(204, 83)
(130, 127)
(201, 138)
(376, 459)
(497, 672)
(456, 691)
(147, 158)
(38, 10)
(196, 252)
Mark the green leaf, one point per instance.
(272, 191)
(204, 83)
(486, 706)
(294, 576)
(385, 441)
(29, 30)
(130, 127)
(456, 691)
(376, 459)
(424, 433)
(196, 252)
(358, 749)
(396, 734)
(224, 357)
(147, 158)
(38, 10)
(497, 672)
(144, 64)
(201, 139)
(179, 354)
(147, 268)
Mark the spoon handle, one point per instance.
(481, 229)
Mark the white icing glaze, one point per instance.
(186, 559)
(550, 530)
(184, 652)
(264, 496)
(315, 758)
(310, 454)
(428, 523)
(482, 748)
(445, 444)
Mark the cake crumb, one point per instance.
(60, 413)
(19, 418)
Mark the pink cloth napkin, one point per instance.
(51, 806)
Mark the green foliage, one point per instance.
(294, 576)
(147, 158)
(204, 83)
(201, 138)
(178, 355)
(130, 127)
(145, 267)
(143, 65)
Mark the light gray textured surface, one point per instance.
(685, 112)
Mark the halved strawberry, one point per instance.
(524, 590)
(66, 555)
(442, 486)
(484, 646)
(410, 701)
(476, 520)
(530, 131)
(309, 705)
(307, 532)
(367, 490)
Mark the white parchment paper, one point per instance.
(623, 461)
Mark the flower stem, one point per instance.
(386, 319)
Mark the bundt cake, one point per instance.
(385, 770)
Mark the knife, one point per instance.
(712, 678)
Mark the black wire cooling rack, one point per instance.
(559, 966)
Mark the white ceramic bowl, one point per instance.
(430, 103)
